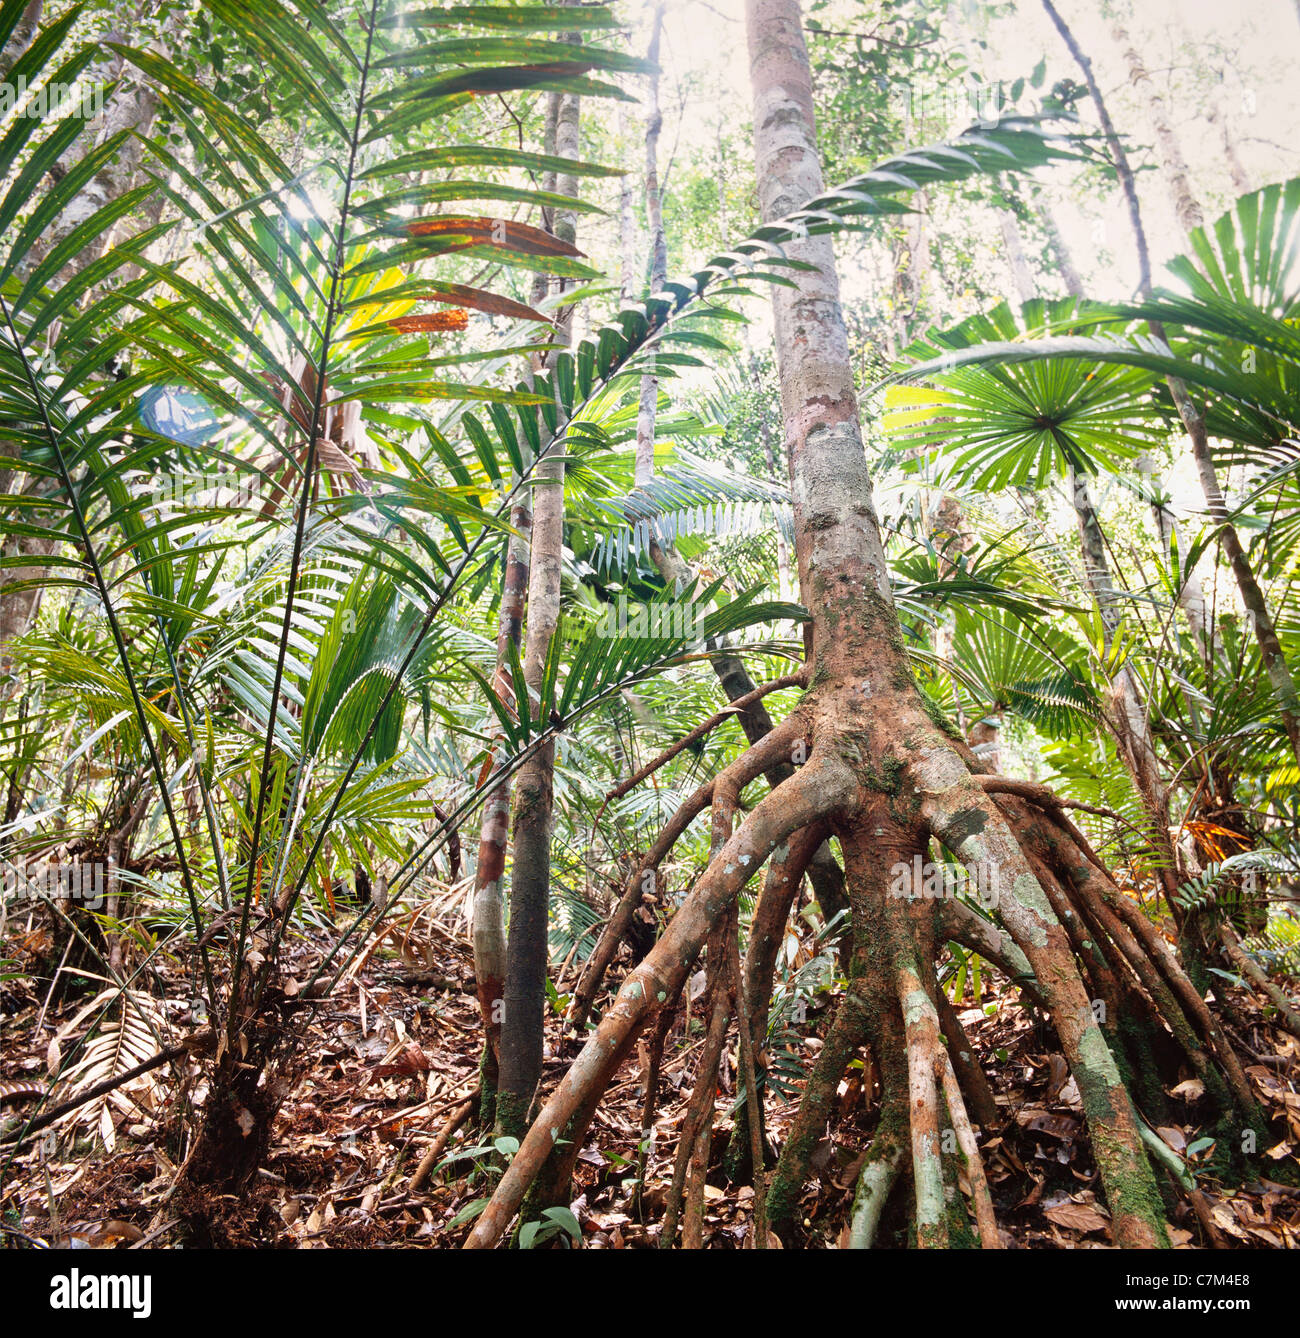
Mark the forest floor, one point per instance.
(394, 1052)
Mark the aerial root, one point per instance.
(1253, 972)
(700, 732)
(961, 924)
(1064, 922)
(880, 1172)
(697, 1128)
(1131, 967)
(1153, 962)
(459, 1113)
(746, 1027)
(620, 920)
(848, 1030)
(970, 824)
(979, 1095)
(654, 1065)
(982, 1200)
(821, 788)
(785, 871)
(925, 1052)
(750, 764)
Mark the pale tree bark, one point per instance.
(1189, 598)
(911, 273)
(1169, 151)
(488, 924)
(627, 283)
(122, 111)
(1061, 250)
(1022, 276)
(21, 37)
(645, 423)
(125, 108)
(1173, 166)
(1218, 117)
(521, 1039)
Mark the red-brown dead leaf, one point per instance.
(1076, 1217)
(432, 322)
(520, 237)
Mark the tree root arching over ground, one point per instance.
(888, 780)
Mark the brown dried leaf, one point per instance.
(492, 231)
(1076, 1217)
(1173, 1136)
(1190, 1089)
(432, 322)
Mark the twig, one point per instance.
(453, 1122)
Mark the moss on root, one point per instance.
(1136, 1060)
(1132, 1184)
(939, 718)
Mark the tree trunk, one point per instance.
(489, 924)
(1061, 250)
(530, 883)
(911, 275)
(1169, 151)
(882, 771)
(1017, 262)
(1126, 713)
(489, 932)
(645, 423)
(784, 585)
(21, 37)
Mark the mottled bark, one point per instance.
(21, 37)
(489, 875)
(1222, 121)
(489, 923)
(645, 423)
(627, 283)
(1173, 164)
(974, 1083)
(521, 1040)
